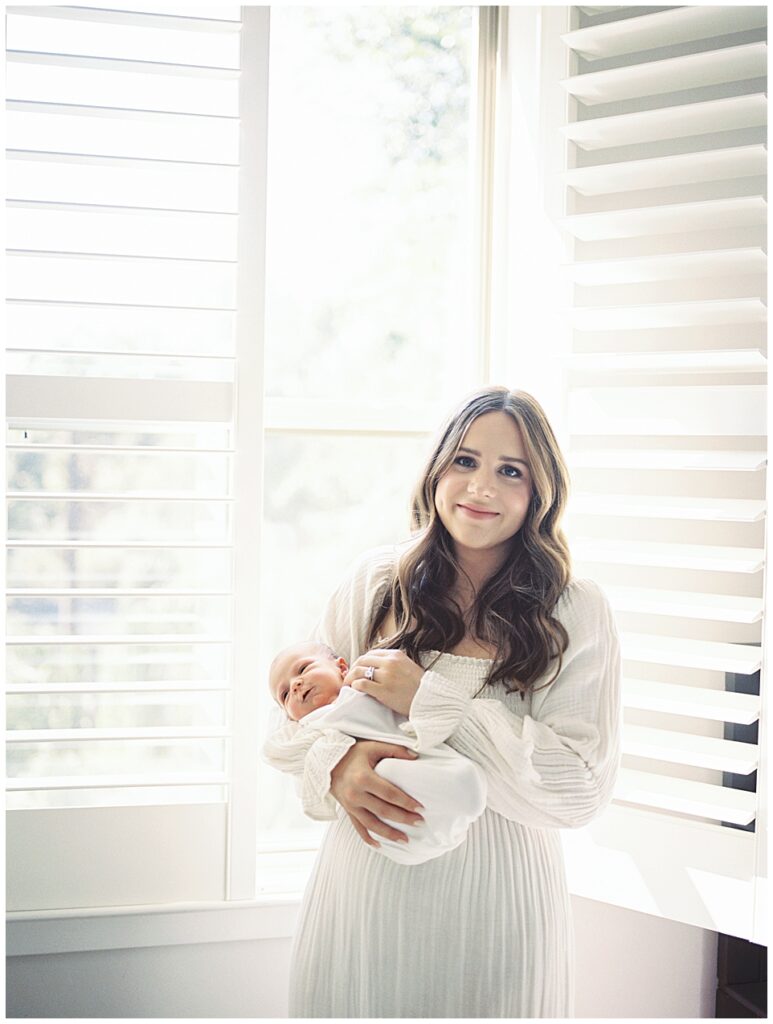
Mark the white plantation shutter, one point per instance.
(135, 225)
(664, 215)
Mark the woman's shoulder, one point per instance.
(583, 602)
(374, 566)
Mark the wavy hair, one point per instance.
(513, 610)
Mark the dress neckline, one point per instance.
(457, 657)
(462, 657)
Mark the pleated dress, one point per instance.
(486, 929)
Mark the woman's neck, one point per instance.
(477, 567)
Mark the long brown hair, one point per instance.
(513, 610)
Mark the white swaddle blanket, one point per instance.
(451, 787)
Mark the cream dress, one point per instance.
(485, 930)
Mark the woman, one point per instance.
(476, 631)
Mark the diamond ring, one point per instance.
(370, 673)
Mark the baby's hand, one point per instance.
(388, 675)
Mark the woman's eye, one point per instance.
(465, 461)
(512, 471)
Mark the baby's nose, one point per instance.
(296, 684)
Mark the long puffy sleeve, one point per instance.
(311, 754)
(555, 767)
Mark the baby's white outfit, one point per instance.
(451, 787)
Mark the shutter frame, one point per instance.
(114, 855)
(634, 855)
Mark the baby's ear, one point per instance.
(343, 668)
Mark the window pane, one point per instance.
(122, 41)
(368, 264)
(126, 329)
(328, 499)
(116, 520)
(136, 136)
(110, 616)
(185, 187)
(126, 233)
(114, 710)
(117, 663)
(116, 472)
(114, 796)
(119, 567)
(202, 93)
(114, 757)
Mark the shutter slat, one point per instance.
(710, 361)
(670, 266)
(685, 748)
(662, 28)
(668, 458)
(652, 78)
(201, 18)
(149, 545)
(226, 17)
(89, 496)
(684, 653)
(692, 605)
(75, 155)
(682, 169)
(671, 314)
(730, 510)
(137, 733)
(733, 112)
(112, 592)
(698, 799)
(691, 701)
(674, 556)
(67, 60)
(693, 411)
(56, 398)
(708, 215)
(127, 639)
(162, 686)
(116, 781)
(136, 448)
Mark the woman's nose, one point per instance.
(480, 484)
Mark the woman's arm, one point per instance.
(288, 748)
(557, 766)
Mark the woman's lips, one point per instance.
(476, 513)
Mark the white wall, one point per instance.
(639, 965)
(628, 965)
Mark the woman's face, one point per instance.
(483, 497)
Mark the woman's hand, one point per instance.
(388, 675)
(368, 798)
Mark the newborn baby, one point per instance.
(306, 680)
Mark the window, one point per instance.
(369, 293)
(169, 487)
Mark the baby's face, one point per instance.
(305, 677)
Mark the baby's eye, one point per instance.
(465, 461)
(511, 471)
(304, 667)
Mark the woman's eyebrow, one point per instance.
(504, 458)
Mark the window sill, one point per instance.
(74, 931)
